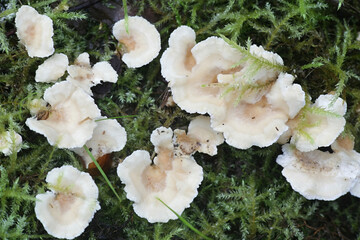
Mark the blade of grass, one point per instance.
(126, 16)
(102, 119)
(102, 172)
(186, 223)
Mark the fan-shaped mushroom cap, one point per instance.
(262, 123)
(176, 186)
(286, 96)
(177, 61)
(35, 32)
(161, 138)
(109, 136)
(324, 128)
(208, 138)
(319, 175)
(345, 146)
(67, 209)
(246, 124)
(82, 75)
(69, 122)
(142, 43)
(10, 141)
(52, 69)
(247, 76)
(212, 56)
(83, 60)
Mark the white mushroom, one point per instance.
(285, 95)
(320, 128)
(173, 179)
(200, 74)
(177, 61)
(10, 142)
(141, 43)
(36, 105)
(67, 209)
(251, 82)
(345, 146)
(213, 56)
(70, 119)
(35, 32)
(109, 136)
(319, 175)
(52, 69)
(161, 138)
(262, 123)
(208, 139)
(82, 75)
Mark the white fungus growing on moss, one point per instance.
(319, 175)
(141, 44)
(173, 179)
(67, 209)
(35, 32)
(10, 142)
(322, 127)
(52, 68)
(69, 121)
(82, 75)
(108, 136)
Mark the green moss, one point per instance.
(243, 195)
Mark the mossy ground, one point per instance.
(243, 195)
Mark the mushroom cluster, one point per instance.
(66, 116)
(249, 99)
(253, 103)
(67, 209)
(172, 176)
(81, 74)
(211, 77)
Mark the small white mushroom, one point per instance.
(52, 69)
(109, 136)
(345, 146)
(35, 32)
(83, 76)
(161, 138)
(251, 82)
(213, 56)
(322, 128)
(10, 142)
(319, 175)
(177, 61)
(260, 124)
(67, 209)
(70, 119)
(286, 96)
(200, 129)
(36, 105)
(173, 179)
(141, 44)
